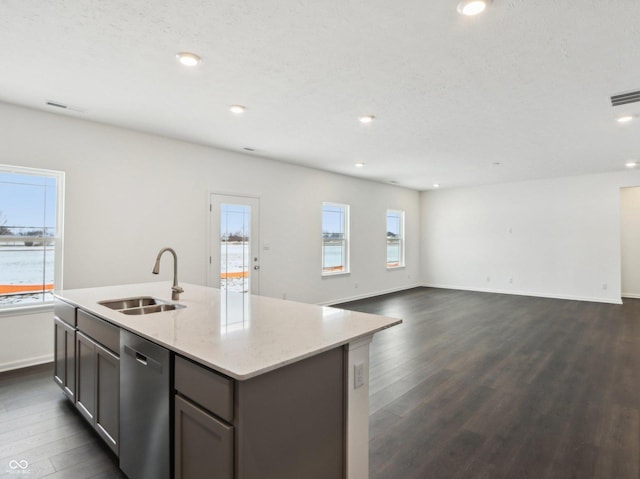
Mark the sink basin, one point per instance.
(157, 308)
(129, 303)
(140, 305)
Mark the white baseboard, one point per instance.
(526, 293)
(368, 295)
(25, 363)
(631, 295)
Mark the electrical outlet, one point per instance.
(358, 376)
(355, 285)
(284, 295)
(604, 286)
(488, 279)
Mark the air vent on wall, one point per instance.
(62, 106)
(57, 105)
(625, 98)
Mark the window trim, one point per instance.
(59, 176)
(401, 262)
(346, 240)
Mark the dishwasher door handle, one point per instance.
(143, 360)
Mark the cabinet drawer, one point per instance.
(65, 312)
(205, 387)
(101, 331)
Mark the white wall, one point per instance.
(128, 194)
(554, 238)
(630, 203)
(26, 340)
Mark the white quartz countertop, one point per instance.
(237, 334)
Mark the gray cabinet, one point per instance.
(203, 440)
(107, 416)
(98, 376)
(65, 357)
(284, 424)
(86, 374)
(203, 444)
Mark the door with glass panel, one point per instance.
(235, 240)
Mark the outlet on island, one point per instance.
(358, 375)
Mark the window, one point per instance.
(335, 238)
(30, 235)
(395, 238)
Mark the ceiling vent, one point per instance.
(625, 98)
(62, 106)
(57, 105)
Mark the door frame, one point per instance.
(210, 251)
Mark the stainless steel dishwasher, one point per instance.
(144, 408)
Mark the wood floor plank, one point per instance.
(46, 450)
(478, 385)
(34, 469)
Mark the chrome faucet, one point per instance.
(175, 289)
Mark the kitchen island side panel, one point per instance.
(291, 421)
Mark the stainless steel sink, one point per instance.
(129, 302)
(152, 309)
(140, 305)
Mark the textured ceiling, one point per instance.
(525, 85)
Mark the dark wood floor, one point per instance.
(472, 385)
(40, 426)
(477, 385)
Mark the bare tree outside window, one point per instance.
(4, 231)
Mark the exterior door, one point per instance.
(235, 244)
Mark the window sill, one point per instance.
(24, 310)
(338, 273)
(391, 268)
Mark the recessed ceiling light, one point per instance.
(631, 164)
(366, 118)
(625, 118)
(359, 164)
(472, 7)
(237, 109)
(436, 185)
(188, 59)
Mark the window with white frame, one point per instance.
(335, 238)
(30, 235)
(395, 238)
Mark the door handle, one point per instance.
(256, 267)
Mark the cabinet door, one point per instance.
(107, 396)
(203, 445)
(65, 357)
(86, 376)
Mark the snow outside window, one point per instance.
(335, 239)
(395, 239)
(30, 236)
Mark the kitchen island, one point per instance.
(289, 381)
